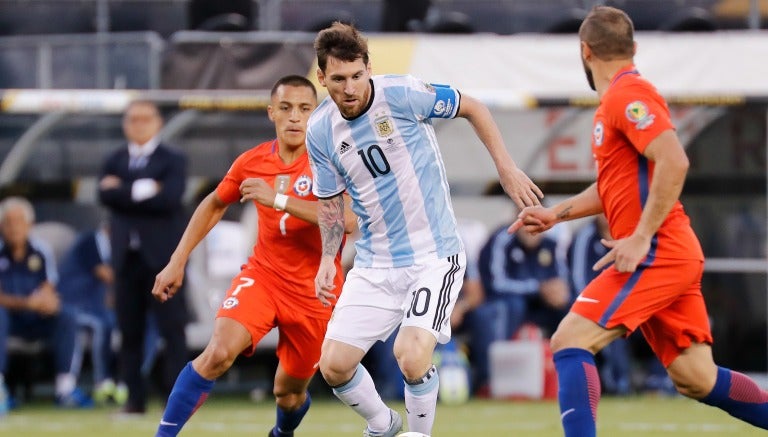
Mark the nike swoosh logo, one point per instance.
(164, 423)
(567, 412)
(581, 298)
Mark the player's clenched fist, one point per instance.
(168, 282)
(324, 281)
(258, 190)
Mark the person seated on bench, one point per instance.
(30, 306)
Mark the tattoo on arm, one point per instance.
(330, 218)
(564, 213)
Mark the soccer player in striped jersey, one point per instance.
(654, 282)
(276, 286)
(373, 138)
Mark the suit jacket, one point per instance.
(158, 221)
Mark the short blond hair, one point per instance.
(609, 32)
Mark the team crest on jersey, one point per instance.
(517, 255)
(545, 257)
(303, 185)
(598, 132)
(637, 112)
(34, 263)
(384, 127)
(230, 303)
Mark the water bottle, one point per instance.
(3, 398)
(454, 375)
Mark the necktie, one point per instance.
(137, 162)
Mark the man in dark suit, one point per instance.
(142, 185)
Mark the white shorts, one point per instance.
(375, 301)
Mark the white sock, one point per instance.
(360, 394)
(65, 383)
(421, 402)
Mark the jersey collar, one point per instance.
(629, 69)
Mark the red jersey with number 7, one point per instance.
(631, 114)
(287, 252)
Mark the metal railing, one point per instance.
(99, 60)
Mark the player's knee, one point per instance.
(692, 389)
(693, 381)
(560, 340)
(288, 401)
(215, 360)
(413, 362)
(694, 372)
(334, 372)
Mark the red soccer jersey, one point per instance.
(287, 251)
(631, 115)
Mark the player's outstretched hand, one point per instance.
(534, 219)
(258, 190)
(324, 285)
(168, 282)
(521, 189)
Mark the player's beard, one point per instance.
(362, 104)
(590, 77)
(350, 112)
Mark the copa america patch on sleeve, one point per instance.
(446, 102)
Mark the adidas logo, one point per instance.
(344, 147)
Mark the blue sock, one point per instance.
(287, 421)
(579, 391)
(739, 396)
(189, 392)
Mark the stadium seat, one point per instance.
(690, 20)
(341, 15)
(666, 15)
(447, 22)
(221, 15)
(225, 23)
(568, 21)
(45, 17)
(308, 15)
(161, 16)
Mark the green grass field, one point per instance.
(235, 417)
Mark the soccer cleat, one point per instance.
(75, 399)
(395, 426)
(275, 433)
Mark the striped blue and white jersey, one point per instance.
(389, 162)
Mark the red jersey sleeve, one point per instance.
(639, 112)
(229, 187)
